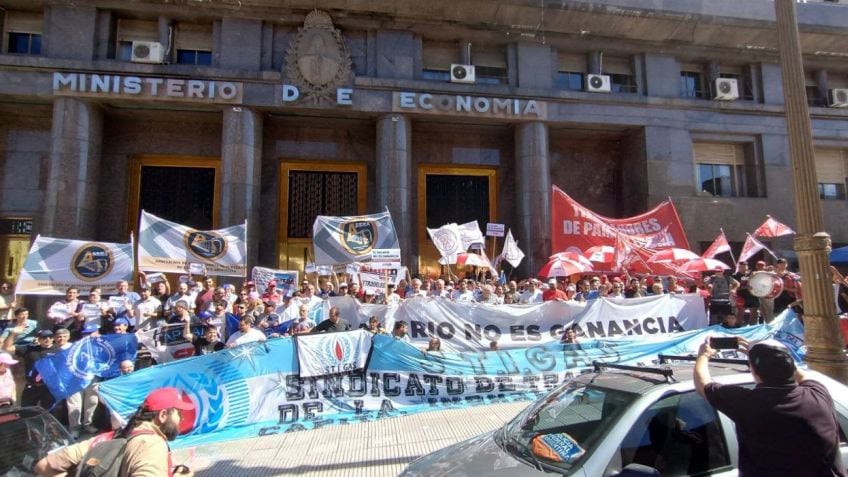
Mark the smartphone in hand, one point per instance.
(724, 342)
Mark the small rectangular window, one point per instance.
(23, 33)
(490, 65)
(491, 75)
(692, 85)
(435, 75)
(24, 43)
(830, 173)
(720, 169)
(570, 80)
(620, 83)
(194, 57)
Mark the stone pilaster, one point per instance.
(533, 195)
(394, 179)
(73, 171)
(241, 167)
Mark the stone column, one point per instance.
(73, 171)
(825, 347)
(241, 167)
(532, 195)
(394, 179)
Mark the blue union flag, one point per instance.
(70, 370)
(352, 239)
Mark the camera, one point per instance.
(724, 343)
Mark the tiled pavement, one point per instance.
(371, 449)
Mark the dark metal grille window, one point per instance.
(454, 198)
(180, 194)
(620, 83)
(25, 43)
(831, 191)
(319, 193)
(491, 75)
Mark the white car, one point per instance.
(617, 421)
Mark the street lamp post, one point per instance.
(821, 327)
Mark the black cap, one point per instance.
(772, 362)
(44, 334)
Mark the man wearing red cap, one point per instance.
(148, 431)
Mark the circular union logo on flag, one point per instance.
(92, 262)
(359, 236)
(92, 357)
(205, 245)
(445, 240)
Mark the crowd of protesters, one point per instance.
(203, 309)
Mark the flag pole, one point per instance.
(731, 250)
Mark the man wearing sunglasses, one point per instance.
(157, 421)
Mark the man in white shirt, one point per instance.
(439, 290)
(303, 323)
(532, 294)
(416, 289)
(183, 293)
(392, 298)
(246, 333)
(147, 310)
(463, 293)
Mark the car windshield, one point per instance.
(28, 437)
(562, 429)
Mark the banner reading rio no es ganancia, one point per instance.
(256, 389)
(473, 326)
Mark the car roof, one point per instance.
(644, 380)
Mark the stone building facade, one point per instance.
(210, 113)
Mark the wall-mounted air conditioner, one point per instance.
(462, 73)
(147, 52)
(598, 83)
(726, 89)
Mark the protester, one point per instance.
(791, 287)
(149, 430)
(35, 393)
(204, 299)
(532, 294)
(303, 324)
(553, 293)
(184, 295)
(375, 327)
(8, 388)
(721, 285)
(786, 424)
(245, 334)
(209, 343)
(435, 344)
(82, 404)
(22, 321)
(333, 324)
(7, 301)
(400, 331)
(570, 336)
(147, 310)
(62, 313)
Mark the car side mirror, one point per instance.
(638, 470)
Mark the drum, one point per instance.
(765, 285)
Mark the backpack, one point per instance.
(105, 456)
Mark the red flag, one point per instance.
(752, 246)
(772, 228)
(718, 246)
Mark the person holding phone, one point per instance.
(785, 425)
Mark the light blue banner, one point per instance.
(255, 389)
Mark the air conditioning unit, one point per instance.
(838, 98)
(726, 89)
(462, 73)
(598, 83)
(147, 52)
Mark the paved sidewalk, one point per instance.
(371, 449)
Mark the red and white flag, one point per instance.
(772, 228)
(623, 252)
(752, 246)
(718, 246)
